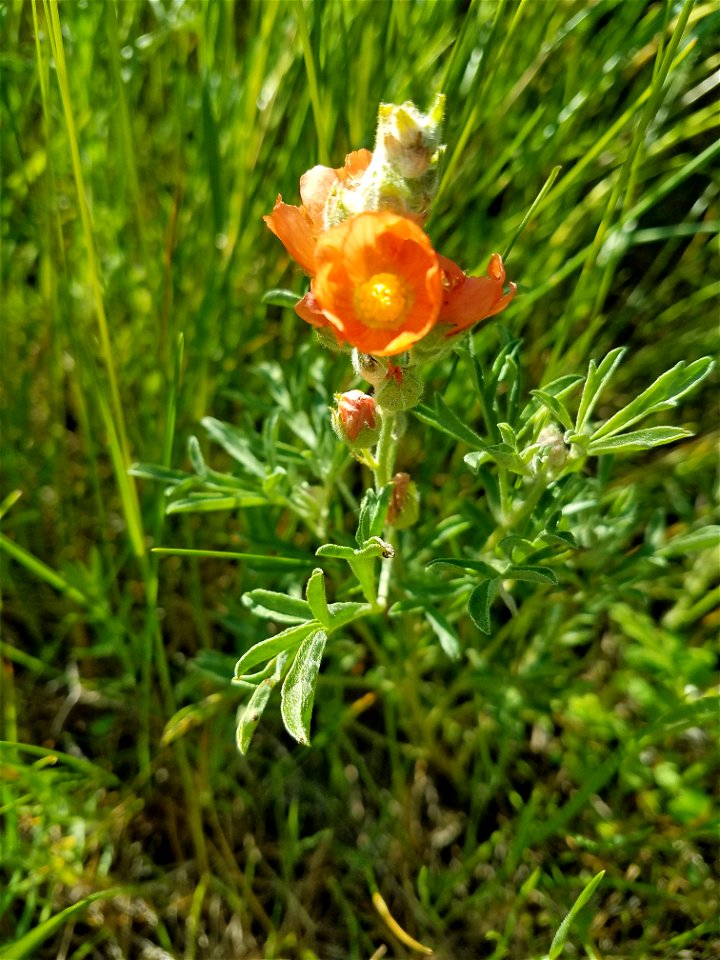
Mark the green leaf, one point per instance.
(373, 514)
(477, 566)
(257, 561)
(153, 471)
(531, 573)
(346, 612)
(277, 606)
(505, 456)
(508, 435)
(298, 690)
(597, 379)
(281, 298)
(27, 946)
(443, 419)
(316, 597)
(556, 947)
(196, 457)
(706, 538)
(637, 440)
(374, 547)
(663, 394)
(235, 443)
(562, 538)
(280, 643)
(249, 718)
(444, 632)
(479, 604)
(210, 502)
(563, 385)
(335, 551)
(508, 544)
(556, 407)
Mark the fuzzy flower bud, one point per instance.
(356, 419)
(552, 450)
(369, 368)
(403, 174)
(404, 506)
(400, 392)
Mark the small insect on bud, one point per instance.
(356, 419)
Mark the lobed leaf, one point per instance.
(250, 716)
(556, 407)
(637, 440)
(298, 690)
(530, 573)
(316, 597)
(477, 566)
(443, 419)
(479, 604)
(663, 394)
(280, 643)
(235, 443)
(444, 632)
(597, 379)
(277, 606)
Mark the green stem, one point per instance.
(385, 451)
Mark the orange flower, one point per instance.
(298, 227)
(466, 300)
(378, 282)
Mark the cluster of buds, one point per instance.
(402, 175)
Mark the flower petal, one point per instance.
(293, 227)
(392, 256)
(467, 300)
(308, 309)
(317, 183)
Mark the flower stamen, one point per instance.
(382, 300)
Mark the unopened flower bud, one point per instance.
(369, 368)
(552, 450)
(404, 506)
(356, 419)
(401, 392)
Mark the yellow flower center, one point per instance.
(381, 301)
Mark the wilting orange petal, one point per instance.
(292, 226)
(467, 300)
(316, 184)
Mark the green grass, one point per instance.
(477, 798)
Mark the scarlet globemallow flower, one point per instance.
(378, 284)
